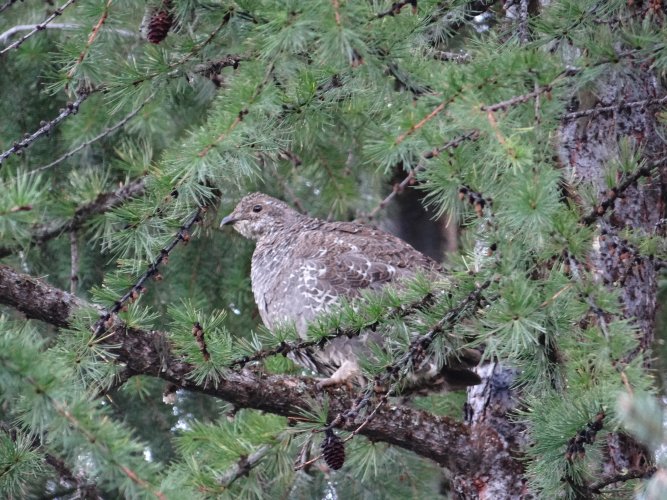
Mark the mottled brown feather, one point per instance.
(302, 266)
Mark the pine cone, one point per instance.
(160, 23)
(333, 450)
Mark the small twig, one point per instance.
(4, 37)
(538, 114)
(91, 38)
(454, 143)
(38, 27)
(101, 135)
(284, 348)
(396, 8)
(422, 122)
(7, 5)
(133, 293)
(46, 127)
(620, 478)
(74, 256)
(503, 105)
(491, 117)
(398, 188)
(615, 107)
(243, 466)
(615, 191)
(237, 120)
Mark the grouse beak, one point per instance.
(227, 220)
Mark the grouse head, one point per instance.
(257, 216)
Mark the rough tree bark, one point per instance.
(586, 146)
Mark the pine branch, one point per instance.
(195, 50)
(409, 179)
(621, 478)
(503, 105)
(106, 132)
(241, 115)
(575, 446)
(137, 288)
(87, 489)
(396, 8)
(243, 466)
(64, 411)
(38, 27)
(7, 5)
(285, 347)
(148, 353)
(614, 192)
(74, 261)
(55, 26)
(413, 356)
(91, 39)
(103, 203)
(70, 109)
(643, 103)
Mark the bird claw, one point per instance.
(331, 382)
(344, 375)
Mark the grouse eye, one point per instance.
(257, 208)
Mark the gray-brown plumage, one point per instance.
(302, 266)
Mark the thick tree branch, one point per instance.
(441, 439)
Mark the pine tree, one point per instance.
(530, 131)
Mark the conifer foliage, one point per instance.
(534, 128)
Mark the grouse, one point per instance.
(303, 266)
